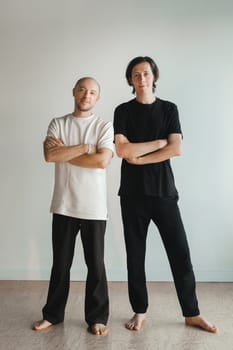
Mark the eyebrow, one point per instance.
(145, 70)
(83, 87)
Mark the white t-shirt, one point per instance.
(80, 192)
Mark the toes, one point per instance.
(129, 326)
(134, 324)
(94, 330)
(201, 323)
(212, 328)
(98, 329)
(103, 330)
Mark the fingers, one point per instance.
(132, 160)
(52, 142)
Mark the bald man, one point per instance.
(81, 146)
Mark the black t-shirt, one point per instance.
(141, 123)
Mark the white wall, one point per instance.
(45, 47)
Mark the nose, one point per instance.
(141, 77)
(86, 94)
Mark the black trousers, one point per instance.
(64, 232)
(164, 212)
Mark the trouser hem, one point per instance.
(194, 314)
(52, 320)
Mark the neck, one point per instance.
(145, 98)
(82, 114)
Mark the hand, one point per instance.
(53, 142)
(134, 161)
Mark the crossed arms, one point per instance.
(80, 155)
(134, 153)
(148, 152)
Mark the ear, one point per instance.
(73, 91)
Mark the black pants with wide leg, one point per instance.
(64, 232)
(164, 212)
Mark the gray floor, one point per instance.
(21, 303)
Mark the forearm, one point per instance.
(96, 160)
(64, 153)
(161, 155)
(134, 150)
(172, 149)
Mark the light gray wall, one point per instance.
(45, 46)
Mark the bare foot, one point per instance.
(198, 321)
(41, 325)
(136, 322)
(98, 329)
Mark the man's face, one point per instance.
(142, 77)
(86, 94)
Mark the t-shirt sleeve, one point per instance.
(119, 122)
(53, 130)
(173, 126)
(106, 137)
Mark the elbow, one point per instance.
(48, 158)
(178, 151)
(121, 152)
(47, 155)
(104, 163)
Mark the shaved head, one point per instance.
(80, 81)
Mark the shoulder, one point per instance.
(168, 109)
(124, 106)
(101, 122)
(57, 125)
(102, 126)
(166, 105)
(60, 120)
